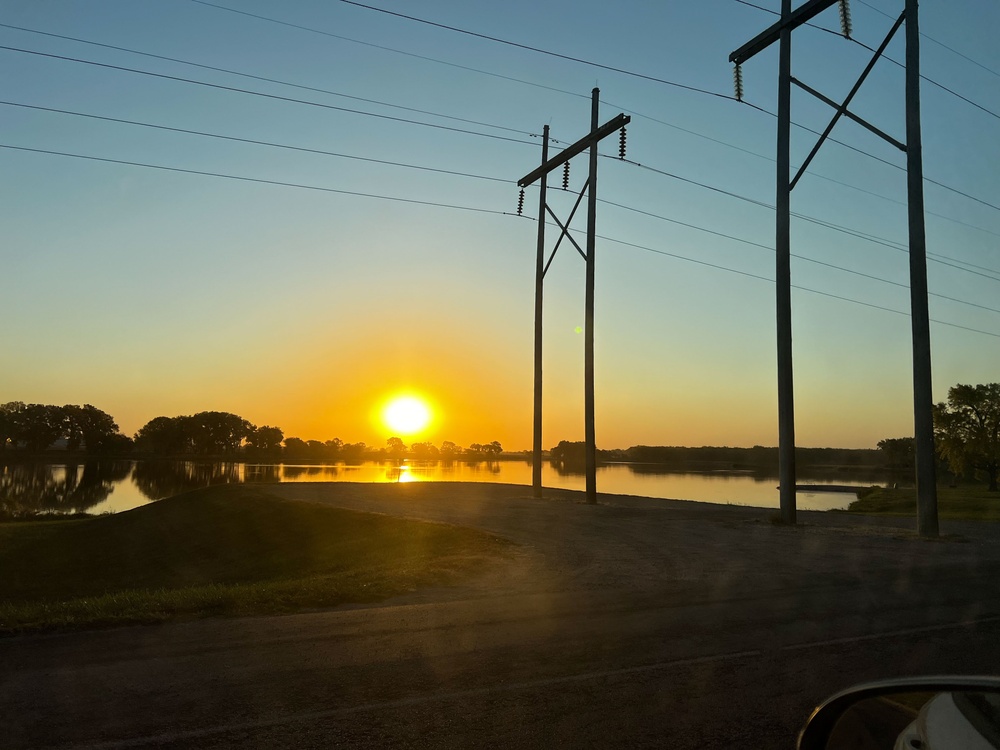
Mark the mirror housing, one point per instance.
(819, 731)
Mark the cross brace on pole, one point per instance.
(927, 515)
(589, 141)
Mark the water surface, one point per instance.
(114, 486)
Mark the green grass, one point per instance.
(963, 503)
(230, 550)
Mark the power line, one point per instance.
(256, 180)
(388, 49)
(853, 148)
(876, 158)
(254, 142)
(266, 96)
(242, 74)
(771, 159)
(266, 79)
(462, 174)
(794, 286)
(937, 42)
(449, 206)
(799, 257)
(884, 56)
(475, 176)
(539, 50)
(931, 81)
(578, 95)
(898, 246)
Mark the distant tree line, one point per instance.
(708, 458)
(966, 427)
(37, 427)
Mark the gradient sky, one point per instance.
(147, 292)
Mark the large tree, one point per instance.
(898, 453)
(266, 440)
(217, 432)
(163, 436)
(967, 429)
(40, 425)
(88, 425)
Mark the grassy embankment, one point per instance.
(962, 503)
(227, 550)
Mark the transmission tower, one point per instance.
(589, 141)
(923, 400)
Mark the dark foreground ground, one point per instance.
(632, 623)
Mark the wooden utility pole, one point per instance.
(783, 276)
(922, 395)
(590, 141)
(536, 463)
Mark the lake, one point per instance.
(114, 486)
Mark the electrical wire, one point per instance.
(811, 219)
(303, 87)
(937, 42)
(577, 95)
(255, 180)
(462, 174)
(389, 49)
(878, 158)
(264, 95)
(811, 173)
(265, 78)
(456, 207)
(794, 255)
(254, 142)
(794, 286)
(931, 81)
(539, 50)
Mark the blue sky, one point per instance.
(148, 292)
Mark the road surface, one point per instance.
(632, 623)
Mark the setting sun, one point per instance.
(406, 415)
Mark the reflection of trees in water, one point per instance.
(297, 472)
(27, 488)
(261, 473)
(159, 479)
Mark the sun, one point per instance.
(406, 415)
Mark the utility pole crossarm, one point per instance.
(769, 36)
(577, 148)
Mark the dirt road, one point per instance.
(635, 622)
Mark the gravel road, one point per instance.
(634, 622)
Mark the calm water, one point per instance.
(113, 486)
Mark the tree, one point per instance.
(449, 450)
(296, 448)
(424, 451)
(40, 425)
(967, 429)
(266, 440)
(88, 425)
(164, 436)
(397, 448)
(898, 453)
(333, 448)
(494, 448)
(217, 432)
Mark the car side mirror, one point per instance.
(924, 713)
